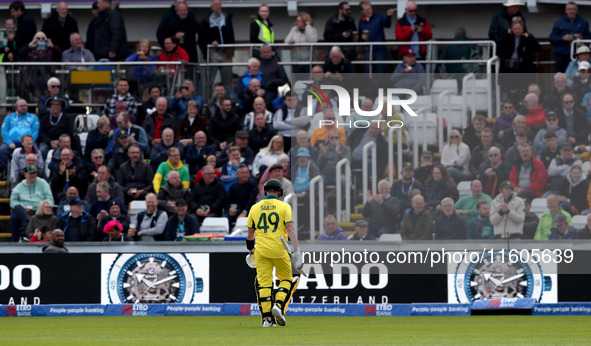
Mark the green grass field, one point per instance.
(226, 330)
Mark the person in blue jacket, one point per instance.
(16, 125)
(570, 27)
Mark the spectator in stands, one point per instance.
(559, 134)
(229, 171)
(418, 222)
(173, 163)
(151, 222)
(359, 138)
(548, 218)
(505, 120)
(261, 28)
(448, 224)
(114, 215)
(172, 192)
(507, 213)
(528, 173)
(24, 200)
(181, 223)
(401, 188)
(361, 231)
(119, 152)
(113, 229)
(501, 21)
(276, 171)
(332, 231)
(371, 27)
(410, 74)
(24, 22)
(273, 72)
(479, 227)
(423, 171)
(559, 169)
(104, 198)
(16, 125)
(413, 28)
(76, 52)
(110, 36)
(573, 193)
(77, 224)
(54, 125)
(268, 156)
(224, 124)
(169, 16)
(573, 118)
(459, 52)
(261, 133)
(519, 123)
(516, 49)
(302, 141)
(562, 230)
(467, 205)
(258, 106)
(92, 27)
(531, 220)
(241, 196)
(382, 210)
(336, 67)
(183, 27)
(157, 122)
(56, 245)
(53, 90)
(248, 96)
(320, 132)
(189, 125)
(149, 106)
(60, 25)
(581, 82)
(341, 28)
(137, 134)
(209, 195)
(7, 44)
(583, 53)
(241, 141)
(135, 176)
(64, 141)
(143, 73)
(306, 170)
(41, 222)
(65, 174)
(98, 138)
(554, 98)
(160, 151)
(121, 101)
(455, 157)
(171, 51)
(216, 29)
(480, 153)
(103, 175)
(536, 115)
(196, 153)
(215, 102)
(330, 154)
(565, 30)
(184, 94)
(20, 155)
(585, 233)
(30, 159)
(493, 172)
(472, 134)
(70, 195)
(300, 34)
(317, 81)
(366, 106)
(438, 186)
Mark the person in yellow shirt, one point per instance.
(268, 220)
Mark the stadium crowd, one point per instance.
(190, 158)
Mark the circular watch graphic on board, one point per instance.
(151, 279)
(492, 278)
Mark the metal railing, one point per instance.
(339, 193)
(365, 175)
(415, 135)
(391, 152)
(574, 45)
(320, 182)
(292, 200)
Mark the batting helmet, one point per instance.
(274, 184)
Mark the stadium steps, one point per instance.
(5, 235)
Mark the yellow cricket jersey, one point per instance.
(269, 217)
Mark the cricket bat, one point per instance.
(286, 246)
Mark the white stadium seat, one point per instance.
(464, 188)
(579, 221)
(390, 237)
(215, 225)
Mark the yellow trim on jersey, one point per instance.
(268, 218)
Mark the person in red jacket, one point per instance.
(413, 28)
(536, 114)
(172, 52)
(528, 173)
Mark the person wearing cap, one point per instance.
(423, 170)
(137, 134)
(528, 173)
(516, 51)
(401, 188)
(540, 141)
(583, 53)
(332, 231)
(27, 154)
(410, 74)
(114, 214)
(24, 200)
(70, 195)
(565, 30)
(306, 170)
(562, 230)
(559, 169)
(413, 28)
(77, 224)
(180, 224)
(493, 172)
(241, 141)
(382, 210)
(371, 29)
(547, 220)
(501, 21)
(114, 230)
(303, 141)
(573, 118)
(361, 231)
(581, 83)
(276, 171)
(507, 213)
(16, 125)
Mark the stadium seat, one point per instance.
(441, 85)
(135, 207)
(47, 161)
(426, 124)
(579, 221)
(240, 224)
(539, 206)
(215, 225)
(390, 237)
(300, 86)
(464, 188)
(451, 109)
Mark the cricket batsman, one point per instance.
(268, 221)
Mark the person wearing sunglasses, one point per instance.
(455, 157)
(413, 28)
(341, 28)
(54, 88)
(493, 172)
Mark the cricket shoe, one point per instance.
(276, 311)
(268, 322)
